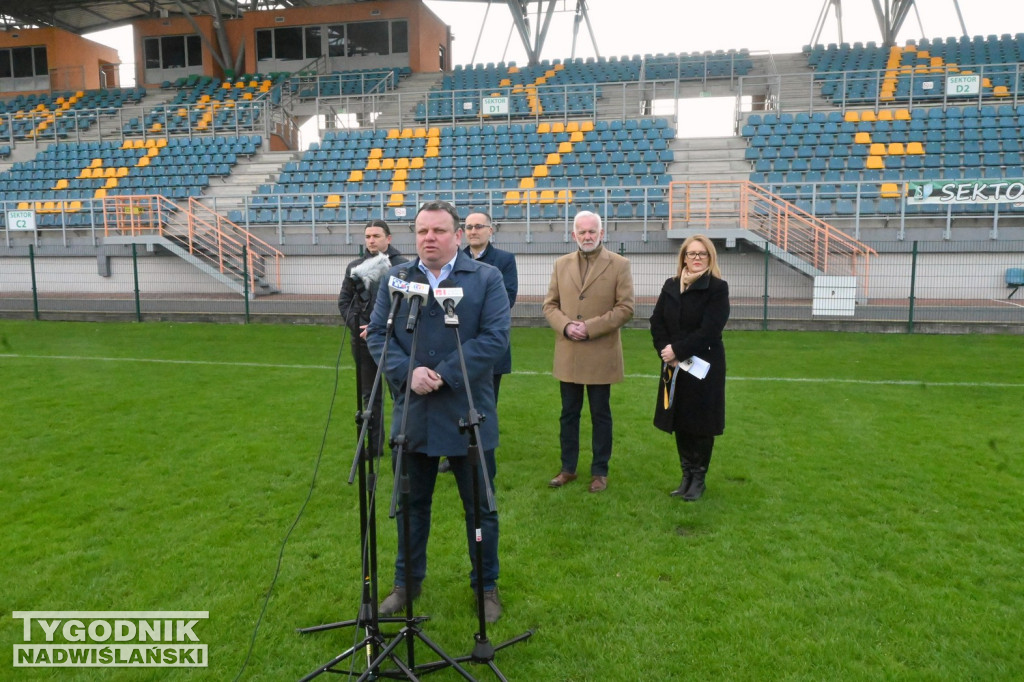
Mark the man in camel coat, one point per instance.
(589, 299)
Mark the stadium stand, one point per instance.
(57, 115)
(551, 167)
(65, 175)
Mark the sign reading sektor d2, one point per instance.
(110, 639)
(963, 85)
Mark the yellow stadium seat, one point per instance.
(565, 147)
(416, 162)
(402, 162)
(398, 185)
(885, 115)
(557, 127)
(868, 116)
(400, 174)
(553, 159)
(394, 133)
(396, 200)
(101, 193)
(388, 163)
(877, 149)
(1001, 91)
(527, 183)
(333, 201)
(851, 117)
(875, 163)
(24, 205)
(96, 163)
(896, 149)
(902, 115)
(355, 176)
(511, 197)
(406, 134)
(565, 196)
(586, 126)
(543, 128)
(547, 196)
(540, 171)
(862, 137)
(890, 190)
(420, 132)
(373, 164)
(572, 127)
(62, 183)
(376, 153)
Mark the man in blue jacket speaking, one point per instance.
(437, 400)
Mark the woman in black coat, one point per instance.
(688, 321)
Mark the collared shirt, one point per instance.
(445, 271)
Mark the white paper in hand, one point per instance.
(695, 366)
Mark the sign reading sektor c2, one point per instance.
(110, 639)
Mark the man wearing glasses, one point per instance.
(479, 232)
(589, 299)
(437, 401)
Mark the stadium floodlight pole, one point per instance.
(483, 650)
(369, 618)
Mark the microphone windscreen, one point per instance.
(372, 270)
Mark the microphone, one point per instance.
(448, 295)
(399, 289)
(369, 272)
(418, 291)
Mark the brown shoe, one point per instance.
(561, 479)
(598, 483)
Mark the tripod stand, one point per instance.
(368, 617)
(411, 630)
(483, 650)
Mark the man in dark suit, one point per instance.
(479, 231)
(437, 401)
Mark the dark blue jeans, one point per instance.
(598, 395)
(422, 471)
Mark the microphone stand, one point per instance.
(483, 650)
(411, 631)
(368, 617)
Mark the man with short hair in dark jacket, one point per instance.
(363, 278)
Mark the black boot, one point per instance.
(696, 487)
(685, 483)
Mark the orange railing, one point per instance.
(711, 206)
(204, 233)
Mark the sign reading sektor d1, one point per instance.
(110, 639)
(958, 192)
(21, 220)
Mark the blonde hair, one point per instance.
(712, 255)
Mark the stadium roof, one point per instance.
(86, 16)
